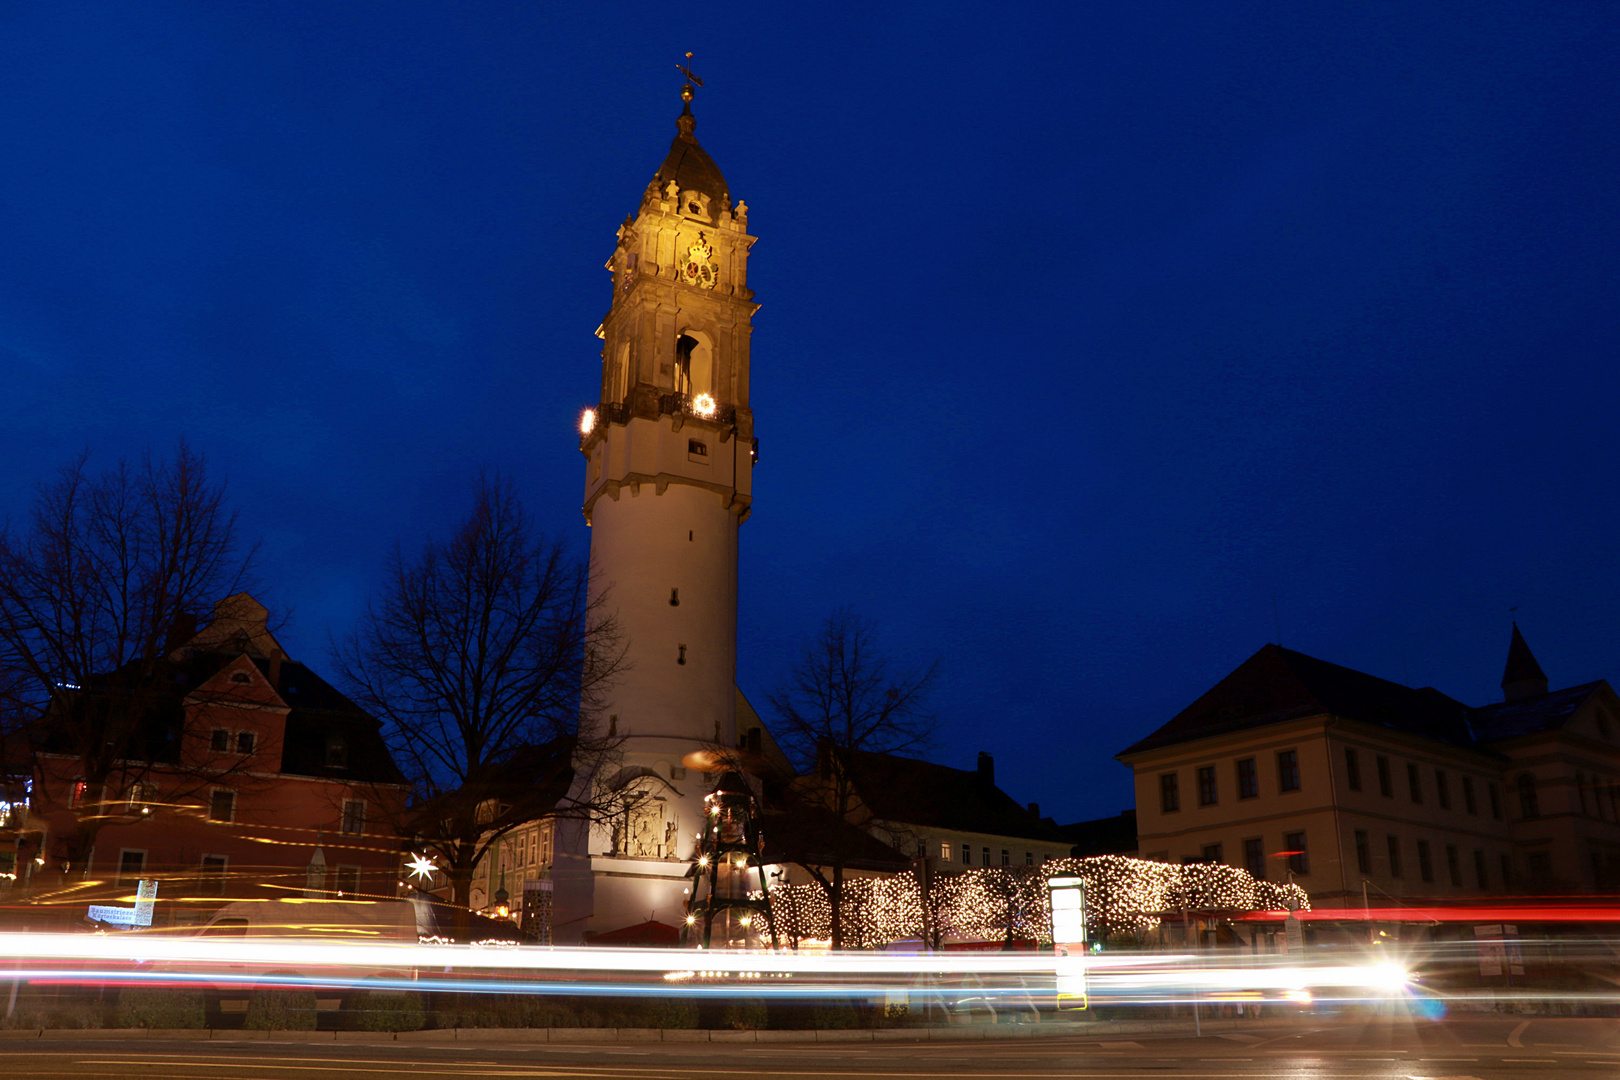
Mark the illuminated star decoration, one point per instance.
(422, 867)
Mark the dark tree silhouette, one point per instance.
(487, 663)
(843, 699)
(92, 591)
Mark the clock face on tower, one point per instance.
(699, 269)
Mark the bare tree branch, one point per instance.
(90, 592)
(843, 699)
(487, 663)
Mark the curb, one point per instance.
(1093, 1030)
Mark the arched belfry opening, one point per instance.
(694, 364)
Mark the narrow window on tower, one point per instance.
(674, 598)
(681, 656)
(683, 363)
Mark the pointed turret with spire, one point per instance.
(1523, 677)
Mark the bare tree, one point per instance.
(90, 593)
(487, 663)
(842, 700)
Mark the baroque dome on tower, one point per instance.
(690, 168)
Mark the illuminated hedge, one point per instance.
(1122, 895)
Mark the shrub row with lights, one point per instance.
(1123, 895)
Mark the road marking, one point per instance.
(1513, 1036)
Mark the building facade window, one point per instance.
(1538, 864)
(1481, 878)
(1248, 778)
(1006, 857)
(245, 741)
(1442, 789)
(1495, 793)
(1414, 783)
(1299, 859)
(1288, 771)
(1352, 768)
(131, 864)
(967, 855)
(219, 740)
(1425, 861)
(1529, 801)
(212, 875)
(348, 880)
(1206, 786)
(1507, 871)
(1453, 865)
(1363, 852)
(1254, 857)
(222, 805)
(1469, 803)
(1169, 793)
(945, 852)
(986, 853)
(1386, 784)
(1394, 845)
(354, 816)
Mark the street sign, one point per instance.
(139, 915)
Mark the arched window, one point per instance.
(694, 364)
(1529, 803)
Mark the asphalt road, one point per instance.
(1487, 1049)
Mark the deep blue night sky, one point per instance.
(1099, 342)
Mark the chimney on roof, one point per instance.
(987, 769)
(1523, 677)
(1034, 809)
(181, 630)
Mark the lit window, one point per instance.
(945, 852)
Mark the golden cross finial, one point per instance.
(691, 79)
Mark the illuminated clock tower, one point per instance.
(669, 454)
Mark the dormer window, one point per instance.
(337, 752)
(244, 742)
(241, 677)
